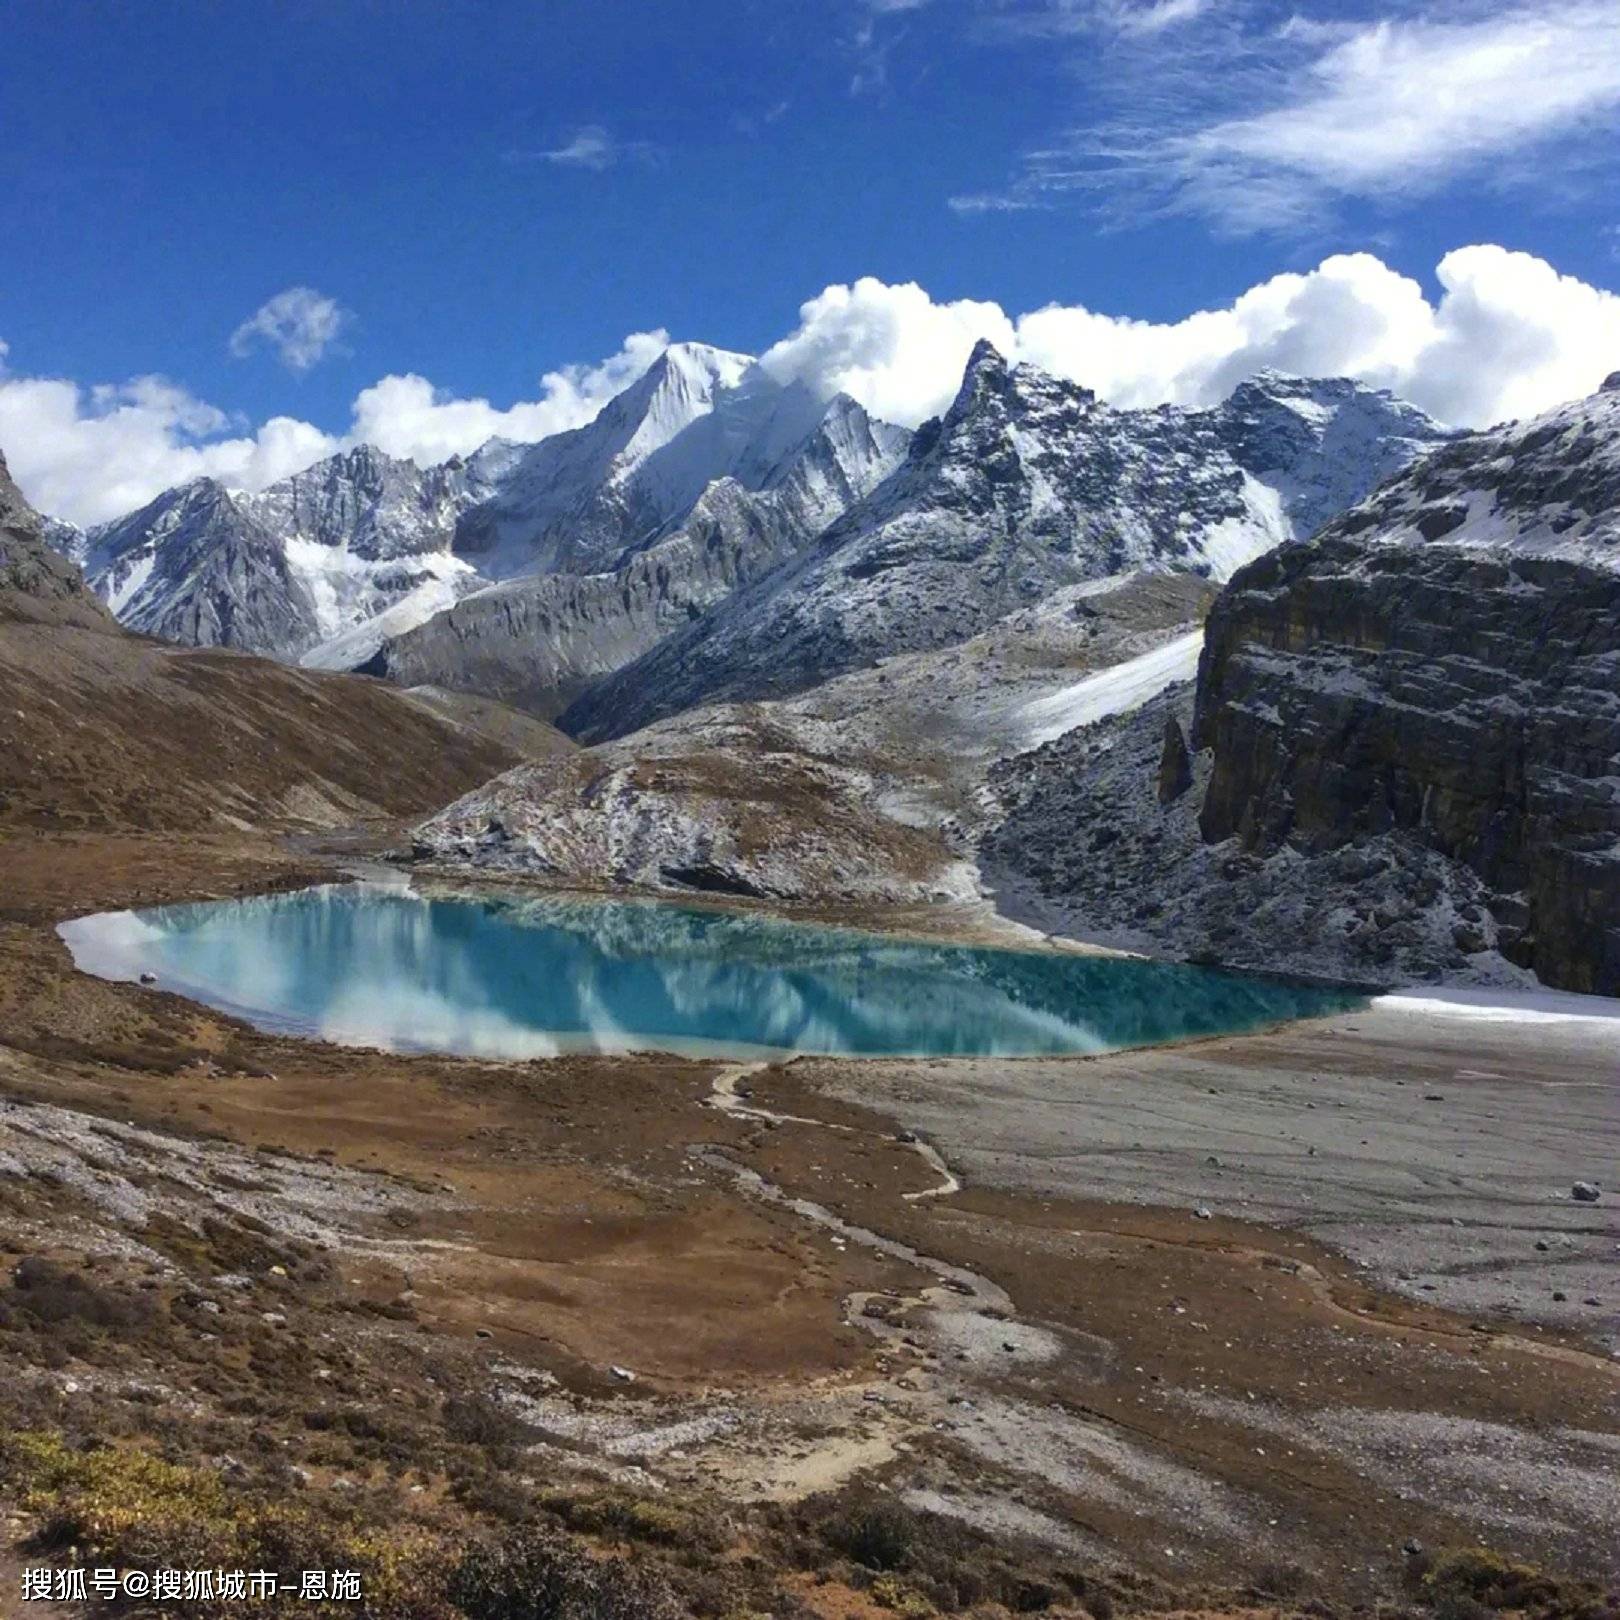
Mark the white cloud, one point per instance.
(408, 416)
(891, 347)
(299, 323)
(1263, 128)
(1506, 336)
(591, 146)
(87, 455)
(1056, 18)
(1403, 106)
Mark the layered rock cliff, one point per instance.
(1443, 663)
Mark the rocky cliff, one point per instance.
(1442, 664)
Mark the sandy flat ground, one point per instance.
(1433, 1141)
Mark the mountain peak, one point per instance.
(986, 357)
(698, 367)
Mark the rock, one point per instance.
(1584, 1192)
(1202, 1214)
(1372, 683)
(1543, 1245)
(273, 1319)
(149, 978)
(623, 1374)
(1175, 763)
(482, 1333)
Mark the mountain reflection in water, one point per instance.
(530, 977)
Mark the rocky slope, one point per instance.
(538, 641)
(284, 571)
(1095, 839)
(36, 583)
(1404, 763)
(745, 810)
(1027, 486)
(106, 730)
(860, 790)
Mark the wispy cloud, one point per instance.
(1271, 129)
(754, 124)
(300, 324)
(1052, 19)
(593, 147)
(990, 202)
(873, 41)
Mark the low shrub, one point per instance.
(51, 1293)
(538, 1576)
(1479, 1576)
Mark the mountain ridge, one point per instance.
(1028, 484)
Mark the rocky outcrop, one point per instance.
(1029, 485)
(1083, 844)
(1442, 665)
(35, 581)
(740, 811)
(1175, 763)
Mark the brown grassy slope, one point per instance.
(104, 730)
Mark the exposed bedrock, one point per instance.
(1469, 697)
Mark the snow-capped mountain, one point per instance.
(578, 501)
(1028, 484)
(283, 571)
(537, 641)
(328, 565)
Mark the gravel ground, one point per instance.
(1437, 1147)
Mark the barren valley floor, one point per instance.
(1229, 1324)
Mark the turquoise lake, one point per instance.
(522, 977)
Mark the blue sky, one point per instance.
(479, 193)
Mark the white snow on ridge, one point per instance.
(1118, 690)
(1236, 541)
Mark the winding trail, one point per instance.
(727, 1096)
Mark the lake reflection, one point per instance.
(525, 977)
